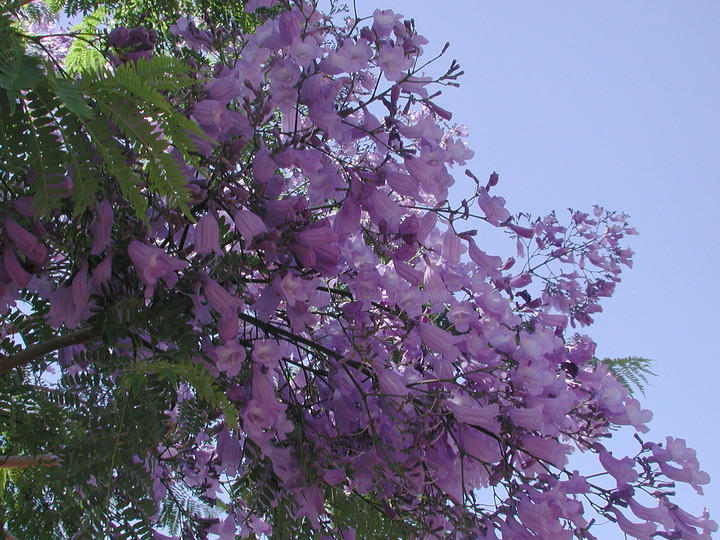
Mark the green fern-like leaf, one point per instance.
(18, 71)
(183, 502)
(195, 375)
(70, 94)
(83, 54)
(46, 157)
(13, 141)
(55, 6)
(633, 372)
(148, 125)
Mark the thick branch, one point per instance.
(41, 349)
(18, 462)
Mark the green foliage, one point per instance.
(84, 53)
(180, 503)
(196, 376)
(18, 71)
(98, 489)
(154, 13)
(55, 6)
(130, 99)
(108, 114)
(368, 521)
(633, 372)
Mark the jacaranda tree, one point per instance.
(236, 300)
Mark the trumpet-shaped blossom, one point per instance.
(229, 358)
(26, 242)
(153, 263)
(207, 236)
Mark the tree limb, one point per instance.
(41, 349)
(17, 462)
(277, 331)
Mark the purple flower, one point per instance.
(641, 531)
(69, 305)
(207, 235)
(26, 243)
(194, 38)
(294, 289)
(61, 307)
(687, 523)
(304, 50)
(102, 227)
(393, 62)
(548, 450)
(452, 248)
(402, 183)
(352, 57)
(659, 514)
(252, 5)
(139, 36)
(152, 263)
(119, 37)
(391, 382)
(14, 269)
(461, 314)
(623, 470)
(267, 352)
(437, 339)
(384, 20)
(265, 415)
(249, 225)
(220, 300)
(471, 412)
(229, 358)
(213, 116)
(101, 273)
(263, 165)
(382, 207)
(493, 207)
(139, 55)
(479, 445)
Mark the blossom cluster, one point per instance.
(368, 343)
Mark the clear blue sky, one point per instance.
(615, 103)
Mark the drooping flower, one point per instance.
(249, 225)
(623, 470)
(15, 272)
(102, 227)
(152, 264)
(493, 207)
(213, 116)
(207, 235)
(26, 242)
(229, 357)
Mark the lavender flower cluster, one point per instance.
(368, 342)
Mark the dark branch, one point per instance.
(41, 349)
(277, 331)
(17, 462)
